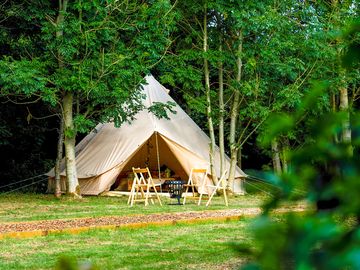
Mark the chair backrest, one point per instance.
(142, 175)
(194, 170)
(199, 175)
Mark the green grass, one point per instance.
(27, 207)
(200, 246)
(206, 245)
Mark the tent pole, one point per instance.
(158, 157)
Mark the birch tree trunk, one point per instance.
(58, 159)
(284, 159)
(233, 118)
(344, 106)
(72, 183)
(333, 108)
(208, 101)
(346, 130)
(221, 116)
(69, 142)
(343, 91)
(276, 156)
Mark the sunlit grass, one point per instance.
(206, 245)
(27, 207)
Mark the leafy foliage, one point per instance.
(105, 51)
(327, 236)
(94, 53)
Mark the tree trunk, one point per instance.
(233, 118)
(72, 184)
(239, 158)
(221, 116)
(276, 156)
(69, 142)
(58, 159)
(208, 101)
(343, 91)
(346, 130)
(284, 157)
(333, 108)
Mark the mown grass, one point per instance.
(206, 245)
(199, 246)
(28, 207)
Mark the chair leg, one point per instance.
(193, 189)
(187, 190)
(199, 202)
(157, 195)
(131, 192)
(202, 191)
(185, 194)
(133, 195)
(130, 196)
(147, 194)
(211, 196)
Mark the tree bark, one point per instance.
(239, 157)
(208, 101)
(72, 184)
(333, 108)
(233, 118)
(284, 157)
(221, 116)
(343, 91)
(276, 156)
(69, 142)
(346, 129)
(58, 159)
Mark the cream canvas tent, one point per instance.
(107, 154)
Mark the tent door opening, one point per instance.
(157, 156)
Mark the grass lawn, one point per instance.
(27, 207)
(206, 245)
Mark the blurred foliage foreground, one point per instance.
(329, 172)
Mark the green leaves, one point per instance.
(351, 56)
(23, 77)
(327, 174)
(276, 125)
(82, 124)
(311, 98)
(100, 52)
(161, 110)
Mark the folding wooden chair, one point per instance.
(201, 173)
(140, 189)
(221, 185)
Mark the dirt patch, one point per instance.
(168, 218)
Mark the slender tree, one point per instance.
(208, 97)
(59, 156)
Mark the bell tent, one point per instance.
(105, 157)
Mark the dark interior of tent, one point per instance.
(156, 155)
